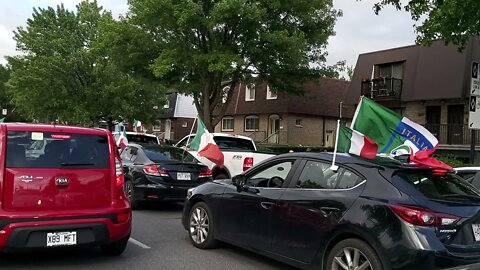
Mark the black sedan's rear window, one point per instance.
(447, 187)
(167, 153)
(27, 149)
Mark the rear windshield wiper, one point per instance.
(464, 196)
(65, 164)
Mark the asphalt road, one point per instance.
(158, 242)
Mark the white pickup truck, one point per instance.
(240, 154)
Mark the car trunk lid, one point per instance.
(182, 174)
(453, 202)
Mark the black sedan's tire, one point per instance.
(353, 254)
(221, 176)
(200, 226)
(130, 193)
(115, 248)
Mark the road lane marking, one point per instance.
(138, 243)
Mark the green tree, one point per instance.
(5, 98)
(64, 74)
(451, 20)
(205, 48)
(350, 71)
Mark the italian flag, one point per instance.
(204, 144)
(390, 129)
(122, 139)
(354, 142)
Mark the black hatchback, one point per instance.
(373, 215)
(160, 173)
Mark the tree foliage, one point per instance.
(451, 20)
(65, 74)
(207, 47)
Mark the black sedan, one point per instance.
(160, 173)
(374, 215)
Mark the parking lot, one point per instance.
(158, 242)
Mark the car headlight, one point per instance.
(190, 192)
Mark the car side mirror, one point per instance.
(239, 181)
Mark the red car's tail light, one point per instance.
(422, 217)
(119, 179)
(247, 163)
(207, 173)
(122, 217)
(153, 170)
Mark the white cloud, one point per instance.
(7, 44)
(16, 13)
(358, 31)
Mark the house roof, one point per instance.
(431, 72)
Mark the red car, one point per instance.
(61, 187)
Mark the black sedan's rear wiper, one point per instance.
(464, 196)
(66, 164)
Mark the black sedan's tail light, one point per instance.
(204, 174)
(153, 170)
(423, 217)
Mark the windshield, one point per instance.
(448, 187)
(232, 143)
(141, 139)
(160, 153)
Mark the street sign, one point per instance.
(474, 104)
(4, 111)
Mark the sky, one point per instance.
(358, 31)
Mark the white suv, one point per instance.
(136, 137)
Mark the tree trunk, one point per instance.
(111, 126)
(207, 115)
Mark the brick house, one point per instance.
(429, 85)
(283, 118)
(177, 119)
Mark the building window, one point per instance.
(227, 123)
(225, 94)
(250, 92)
(298, 123)
(252, 123)
(390, 70)
(157, 125)
(167, 104)
(270, 94)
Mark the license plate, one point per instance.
(183, 176)
(61, 239)
(476, 231)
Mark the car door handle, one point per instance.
(329, 210)
(267, 205)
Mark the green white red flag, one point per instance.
(354, 142)
(204, 144)
(122, 139)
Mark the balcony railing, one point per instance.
(382, 87)
(453, 134)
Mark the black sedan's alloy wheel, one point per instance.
(201, 226)
(353, 254)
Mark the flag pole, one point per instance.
(335, 167)
(371, 82)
